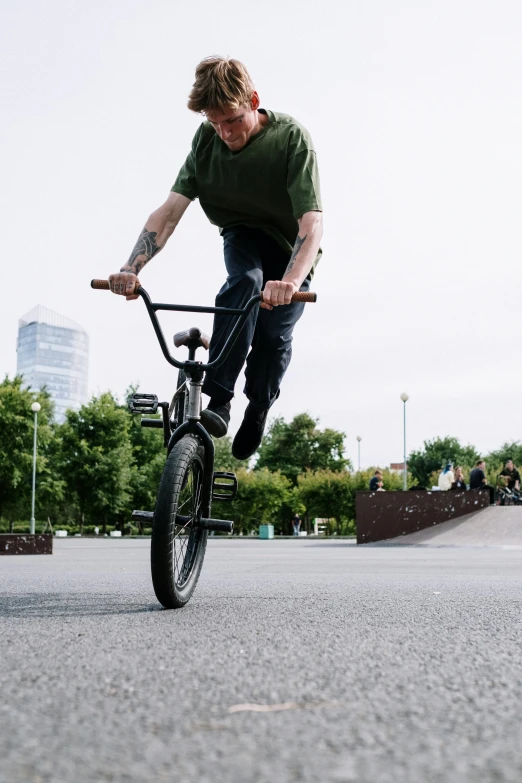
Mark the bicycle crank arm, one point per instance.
(218, 525)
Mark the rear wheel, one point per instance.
(178, 544)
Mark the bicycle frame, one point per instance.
(195, 371)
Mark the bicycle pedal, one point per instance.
(224, 486)
(143, 403)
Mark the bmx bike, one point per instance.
(181, 519)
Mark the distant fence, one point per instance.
(382, 515)
(25, 544)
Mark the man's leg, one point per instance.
(271, 352)
(245, 278)
(270, 355)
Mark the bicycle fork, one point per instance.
(193, 426)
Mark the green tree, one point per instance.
(329, 495)
(16, 446)
(422, 464)
(300, 446)
(148, 461)
(507, 451)
(51, 498)
(223, 457)
(97, 459)
(260, 496)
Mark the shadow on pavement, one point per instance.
(58, 605)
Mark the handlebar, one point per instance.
(153, 307)
(299, 296)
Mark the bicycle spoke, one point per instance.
(185, 536)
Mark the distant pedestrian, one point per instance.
(296, 524)
(459, 482)
(478, 480)
(446, 478)
(374, 481)
(512, 475)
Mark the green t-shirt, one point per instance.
(268, 184)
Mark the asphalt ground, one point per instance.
(295, 661)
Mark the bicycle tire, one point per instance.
(177, 550)
(180, 406)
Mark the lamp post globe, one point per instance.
(35, 407)
(404, 397)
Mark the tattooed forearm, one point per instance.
(144, 250)
(299, 242)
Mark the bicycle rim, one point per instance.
(186, 534)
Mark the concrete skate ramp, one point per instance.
(493, 526)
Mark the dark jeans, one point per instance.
(252, 258)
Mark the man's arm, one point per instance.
(278, 292)
(152, 239)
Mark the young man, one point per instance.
(255, 174)
(512, 475)
(478, 480)
(374, 481)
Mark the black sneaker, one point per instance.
(216, 419)
(250, 434)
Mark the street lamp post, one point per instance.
(405, 398)
(35, 407)
(359, 439)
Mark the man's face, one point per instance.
(482, 466)
(509, 464)
(236, 126)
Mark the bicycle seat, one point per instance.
(192, 338)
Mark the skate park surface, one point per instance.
(296, 660)
(495, 526)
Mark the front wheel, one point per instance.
(178, 544)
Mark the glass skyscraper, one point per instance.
(54, 352)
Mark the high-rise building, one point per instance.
(53, 351)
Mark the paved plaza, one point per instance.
(299, 660)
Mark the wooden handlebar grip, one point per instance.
(102, 285)
(304, 296)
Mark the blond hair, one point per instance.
(220, 84)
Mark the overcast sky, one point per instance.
(416, 114)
